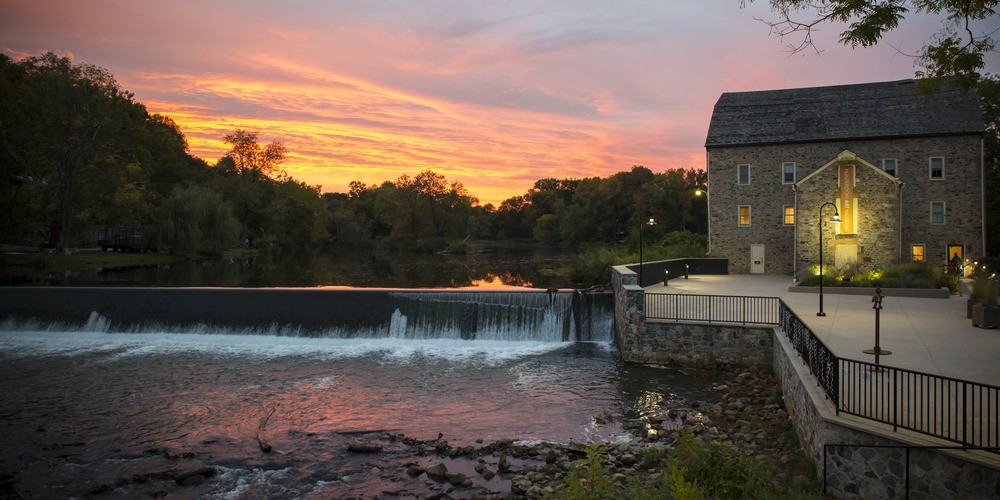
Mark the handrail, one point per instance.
(956, 410)
(712, 308)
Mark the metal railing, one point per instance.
(820, 360)
(956, 410)
(712, 308)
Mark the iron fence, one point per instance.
(817, 356)
(712, 308)
(956, 410)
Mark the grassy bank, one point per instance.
(44, 263)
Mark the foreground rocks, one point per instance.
(747, 412)
(743, 408)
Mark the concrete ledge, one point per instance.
(926, 293)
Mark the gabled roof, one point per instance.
(848, 156)
(864, 111)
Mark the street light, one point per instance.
(650, 222)
(708, 215)
(836, 220)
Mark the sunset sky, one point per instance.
(493, 94)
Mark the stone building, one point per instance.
(901, 166)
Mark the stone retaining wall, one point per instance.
(852, 472)
(857, 472)
(700, 345)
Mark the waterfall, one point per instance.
(518, 315)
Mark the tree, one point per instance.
(956, 50)
(65, 126)
(251, 187)
(989, 94)
(196, 220)
(250, 158)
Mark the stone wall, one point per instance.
(853, 471)
(875, 237)
(961, 190)
(700, 345)
(630, 303)
(660, 342)
(857, 472)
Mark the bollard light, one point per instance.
(666, 277)
(686, 271)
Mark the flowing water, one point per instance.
(126, 392)
(91, 411)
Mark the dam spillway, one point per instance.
(509, 315)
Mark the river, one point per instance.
(113, 413)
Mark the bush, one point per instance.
(904, 275)
(196, 220)
(692, 470)
(593, 266)
(590, 477)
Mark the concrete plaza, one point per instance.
(923, 334)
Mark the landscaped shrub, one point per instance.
(693, 470)
(904, 275)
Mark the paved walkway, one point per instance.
(928, 335)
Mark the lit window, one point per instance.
(889, 165)
(937, 168)
(937, 212)
(918, 253)
(743, 173)
(788, 173)
(744, 215)
(789, 215)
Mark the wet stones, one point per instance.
(359, 446)
(437, 471)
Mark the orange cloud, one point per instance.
(339, 129)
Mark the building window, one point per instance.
(889, 165)
(788, 173)
(744, 215)
(918, 253)
(937, 212)
(789, 215)
(743, 173)
(937, 168)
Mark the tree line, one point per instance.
(429, 213)
(81, 156)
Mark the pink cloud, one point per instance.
(492, 95)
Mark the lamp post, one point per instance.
(650, 222)
(708, 215)
(836, 220)
(877, 350)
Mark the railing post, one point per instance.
(825, 447)
(836, 385)
(896, 400)
(965, 409)
(907, 472)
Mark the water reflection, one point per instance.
(499, 268)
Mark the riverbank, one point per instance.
(485, 265)
(253, 417)
(743, 445)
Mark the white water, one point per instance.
(27, 343)
(85, 407)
